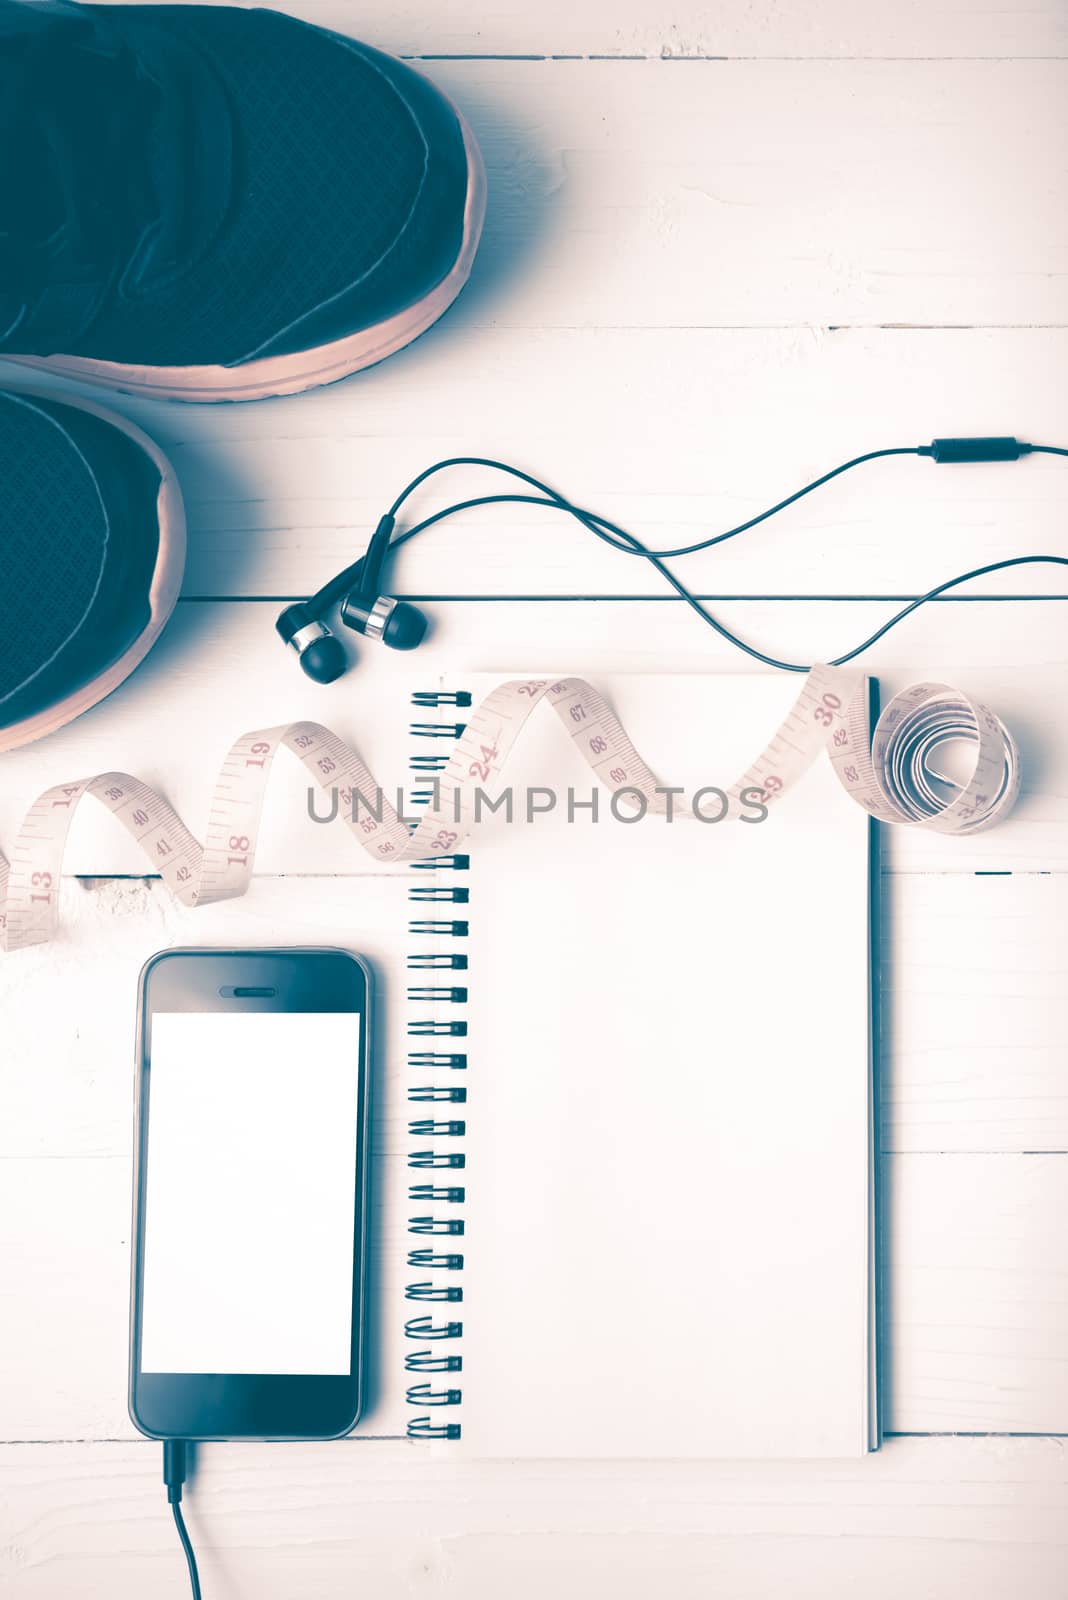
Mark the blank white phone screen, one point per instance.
(250, 1192)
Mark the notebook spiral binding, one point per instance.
(437, 1268)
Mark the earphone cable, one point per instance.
(943, 588)
(620, 539)
(553, 497)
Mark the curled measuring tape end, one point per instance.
(909, 735)
(891, 773)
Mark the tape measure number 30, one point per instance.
(891, 772)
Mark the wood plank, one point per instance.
(723, 193)
(977, 1319)
(644, 194)
(974, 1029)
(937, 1517)
(975, 1303)
(973, 1299)
(688, 30)
(220, 670)
(974, 1033)
(974, 1266)
(677, 435)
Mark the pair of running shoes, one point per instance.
(196, 203)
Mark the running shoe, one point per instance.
(93, 542)
(211, 203)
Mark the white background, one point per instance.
(781, 234)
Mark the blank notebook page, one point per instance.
(668, 1244)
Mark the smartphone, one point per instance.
(250, 1194)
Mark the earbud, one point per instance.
(395, 622)
(377, 616)
(321, 656)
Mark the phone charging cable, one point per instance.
(174, 1477)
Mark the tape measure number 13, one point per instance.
(890, 771)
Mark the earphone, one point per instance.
(401, 625)
(363, 608)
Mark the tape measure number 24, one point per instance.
(890, 771)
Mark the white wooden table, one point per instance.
(727, 247)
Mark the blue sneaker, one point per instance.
(221, 204)
(93, 536)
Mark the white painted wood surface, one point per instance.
(703, 281)
(675, 433)
(220, 670)
(974, 1273)
(930, 1517)
(768, 29)
(652, 194)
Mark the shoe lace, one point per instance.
(76, 186)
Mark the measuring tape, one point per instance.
(889, 772)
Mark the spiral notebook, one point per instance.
(647, 1187)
